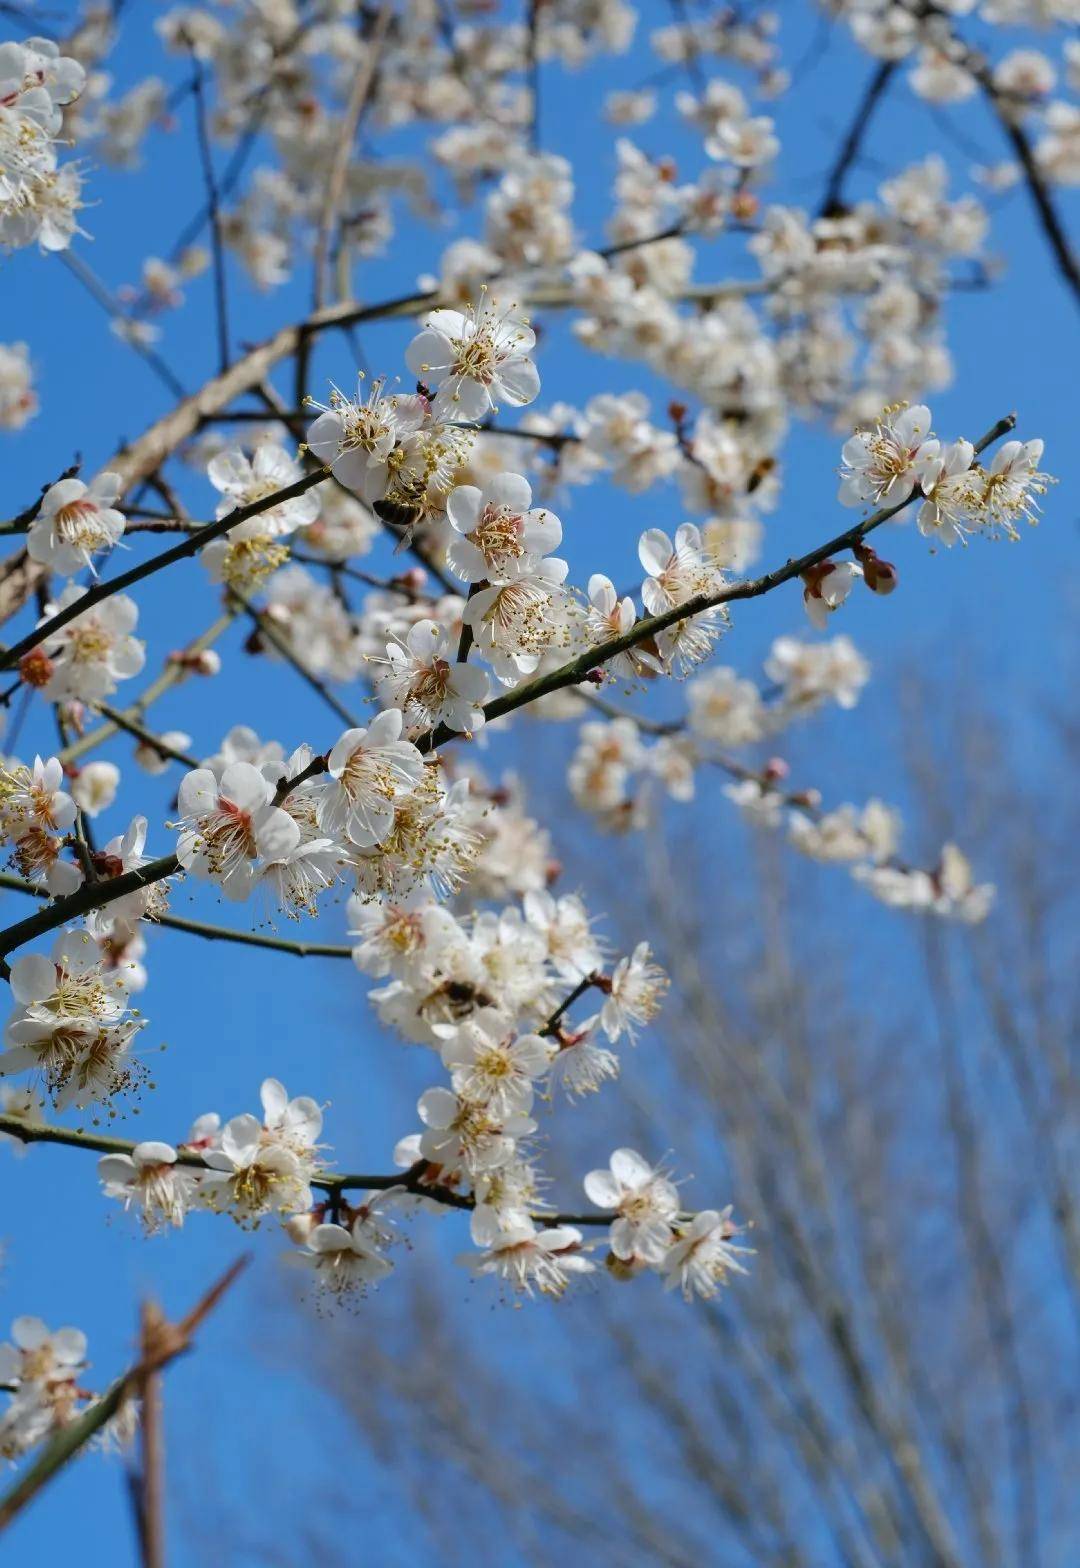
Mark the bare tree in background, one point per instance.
(896, 1384)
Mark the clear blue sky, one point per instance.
(230, 1017)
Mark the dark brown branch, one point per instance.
(136, 574)
(832, 200)
(413, 1180)
(582, 667)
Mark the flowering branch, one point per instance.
(209, 933)
(582, 667)
(416, 1180)
(96, 895)
(178, 552)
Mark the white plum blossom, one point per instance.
(745, 143)
(75, 522)
(726, 709)
(809, 673)
(475, 360)
(646, 1203)
(677, 573)
(1010, 486)
(371, 770)
(582, 1065)
(94, 787)
(228, 826)
(72, 1025)
(42, 1371)
(427, 682)
(18, 400)
(259, 1167)
(498, 528)
(880, 465)
(637, 989)
(526, 1257)
(458, 1132)
(516, 619)
(357, 439)
(243, 480)
(85, 659)
(341, 1258)
(610, 616)
(150, 1180)
(704, 1255)
(492, 1068)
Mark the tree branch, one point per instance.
(171, 1341)
(411, 1180)
(209, 933)
(581, 667)
(137, 574)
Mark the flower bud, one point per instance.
(413, 581)
(36, 668)
(744, 206)
(808, 798)
(880, 576)
(298, 1227)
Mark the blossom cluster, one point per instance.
(249, 1167)
(481, 956)
(39, 196)
(41, 1373)
(73, 1027)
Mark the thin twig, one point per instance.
(339, 166)
(833, 196)
(178, 552)
(151, 1479)
(208, 933)
(171, 1342)
(413, 1180)
(280, 643)
(213, 204)
(129, 332)
(178, 668)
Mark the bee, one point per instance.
(760, 472)
(399, 514)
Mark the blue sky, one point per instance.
(995, 613)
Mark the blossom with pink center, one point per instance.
(645, 1202)
(76, 521)
(496, 528)
(227, 828)
(880, 465)
(370, 771)
(426, 682)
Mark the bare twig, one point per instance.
(171, 1341)
(209, 933)
(213, 207)
(339, 166)
(833, 196)
(136, 574)
(150, 1482)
